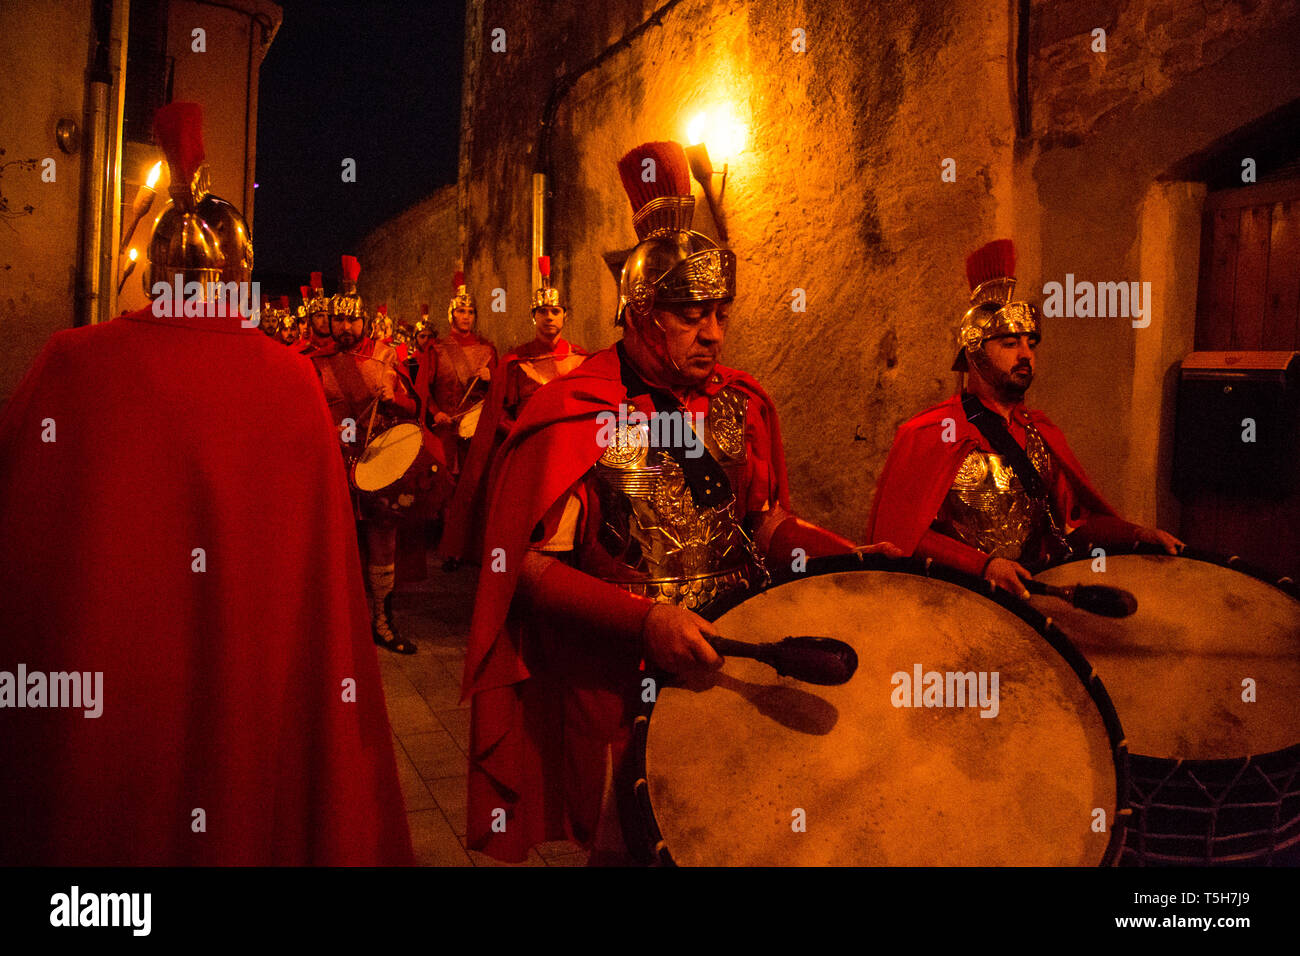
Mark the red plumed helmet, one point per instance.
(993, 260)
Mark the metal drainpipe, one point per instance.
(542, 174)
(92, 207)
(111, 236)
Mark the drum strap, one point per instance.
(995, 431)
(706, 479)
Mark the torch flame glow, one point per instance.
(720, 131)
(133, 254)
(154, 175)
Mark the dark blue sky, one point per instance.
(378, 82)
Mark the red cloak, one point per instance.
(921, 466)
(227, 684)
(551, 446)
(463, 531)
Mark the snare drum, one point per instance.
(1215, 777)
(396, 474)
(750, 768)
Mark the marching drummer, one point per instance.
(599, 545)
(454, 374)
(522, 371)
(981, 483)
(362, 385)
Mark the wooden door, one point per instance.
(1249, 299)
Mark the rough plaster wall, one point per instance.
(838, 192)
(410, 259)
(1177, 77)
(38, 253)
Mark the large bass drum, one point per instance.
(1206, 678)
(746, 768)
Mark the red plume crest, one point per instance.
(671, 174)
(993, 260)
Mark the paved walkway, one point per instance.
(431, 728)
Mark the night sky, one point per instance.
(378, 82)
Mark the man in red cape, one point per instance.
(1003, 510)
(454, 374)
(520, 373)
(158, 544)
(603, 535)
(367, 393)
(315, 306)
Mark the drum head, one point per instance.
(756, 769)
(387, 457)
(1175, 669)
(469, 422)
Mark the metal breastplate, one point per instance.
(662, 545)
(987, 506)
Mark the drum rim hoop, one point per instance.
(1286, 585)
(1291, 752)
(835, 564)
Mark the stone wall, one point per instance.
(410, 260)
(838, 192)
(38, 252)
(1093, 198)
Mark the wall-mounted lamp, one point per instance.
(130, 267)
(703, 171)
(728, 138)
(141, 206)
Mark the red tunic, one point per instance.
(223, 688)
(517, 722)
(522, 372)
(921, 466)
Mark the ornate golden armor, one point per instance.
(663, 545)
(988, 508)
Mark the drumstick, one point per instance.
(813, 660)
(1094, 598)
(374, 408)
(474, 381)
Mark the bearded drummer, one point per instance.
(284, 323)
(600, 545)
(522, 371)
(363, 387)
(981, 483)
(454, 374)
(316, 308)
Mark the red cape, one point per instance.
(921, 466)
(552, 445)
(461, 537)
(223, 689)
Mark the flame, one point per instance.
(720, 131)
(695, 129)
(133, 254)
(154, 174)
